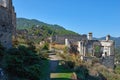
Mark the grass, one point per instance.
(58, 46)
(61, 74)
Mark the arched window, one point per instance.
(105, 53)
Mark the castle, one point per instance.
(7, 22)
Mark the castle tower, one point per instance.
(7, 22)
(90, 36)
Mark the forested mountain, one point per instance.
(23, 23)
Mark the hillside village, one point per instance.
(50, 52)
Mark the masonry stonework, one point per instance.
(102, 49)
(7, 22)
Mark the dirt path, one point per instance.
(54, 61)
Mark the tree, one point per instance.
(117, 52)
(23, 63)
(97, 51)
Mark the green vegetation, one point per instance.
(21, 60)
(61, 73)
(46, 46)
(37, 31)
(97, 51)
(23, 63)
(23, 23)
(2, 51)
(49, 29)
(82, 72)
(30, 62)
(89, 70)
(61, 76)
(71, 63)
(117, 69)
(117, 54)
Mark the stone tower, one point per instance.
(7, 22)
(90, 36)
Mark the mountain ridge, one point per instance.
(22, 21)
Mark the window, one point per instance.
(105, 53)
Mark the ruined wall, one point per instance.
(7, 23)
(72, 38)
(106, 53)
(108, 61)
(108, 47)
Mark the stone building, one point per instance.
(102, 49)
(7, 22)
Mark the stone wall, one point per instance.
(108, 61)
(60, 39)
(7, 23)
(89, 49)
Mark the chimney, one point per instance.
(90, 36)
(107, 37)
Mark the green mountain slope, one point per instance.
(23, 23)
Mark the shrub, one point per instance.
(2, 51)
(117, 69)
(46, 46)
(31, 46)
(33, 72)
(82, 72)
(15, 42)
(95, 60)
(70, 64)
(23, 63)
(43, 54)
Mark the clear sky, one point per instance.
(101, 17)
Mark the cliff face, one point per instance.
(7, 22)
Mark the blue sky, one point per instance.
(101, 17)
